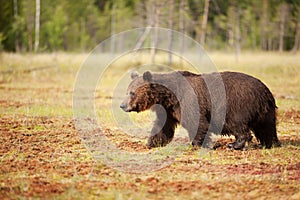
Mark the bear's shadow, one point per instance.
(285, 142)
(290, 142)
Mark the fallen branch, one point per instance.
(10, 71)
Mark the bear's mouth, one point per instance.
(132, 109)
(126, 108)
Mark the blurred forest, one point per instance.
(68, 25)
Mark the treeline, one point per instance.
(68, 25)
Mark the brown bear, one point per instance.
(229, 103)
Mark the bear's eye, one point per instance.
(131, 94)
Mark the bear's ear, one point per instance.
(134, 75)
(147, 76)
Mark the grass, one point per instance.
(279, 72)
(43, 156)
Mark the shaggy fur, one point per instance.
(249, 106)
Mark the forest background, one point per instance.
(77, 26)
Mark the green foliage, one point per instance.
(80, 25)
(56, 27)
(6, 20)
(43, 155)
(2, 37)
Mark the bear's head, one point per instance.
(140, 93)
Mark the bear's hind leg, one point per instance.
(265, 130)
(266, 134)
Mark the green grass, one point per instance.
(280, 72)
(43, 156)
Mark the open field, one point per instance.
(42, 155)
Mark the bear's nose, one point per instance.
(123, 105)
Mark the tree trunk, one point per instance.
(29, 29)
(270, 44)
(141, 10)
(171, 24)
(204, 23)
(113, 27)
(154, 39)
(264, 25)
(283, 13)
(15, 8)
(142, 39)
(29, 13)
(181, 26)
(230, 26)
(82, 34)
(17, 45)
(237, 33)
(37, 25)
(297, 32)
(281, 35)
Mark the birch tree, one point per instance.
(283, 12)
(264, 25)
(204, 22)
(37, 25)
(297, 32)
(171, 26)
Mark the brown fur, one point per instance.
(249, 106)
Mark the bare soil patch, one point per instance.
(44, 156)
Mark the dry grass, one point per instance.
(42, 155)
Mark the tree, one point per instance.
(141, 12)
(264, 25)
(204, 22)
(297, 31)
(283, 13)
(55, 28)
(171, 26)
(29, 16)
(182, 20)
(230, 25)
(17, 45)
(50, 25)
(113, 28)
(233, 27)
(37, 25)
(237, 32)
(154, 12)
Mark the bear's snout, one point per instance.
(123, 106)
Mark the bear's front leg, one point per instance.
(157, 140)
(199, 139)
(162, 136)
